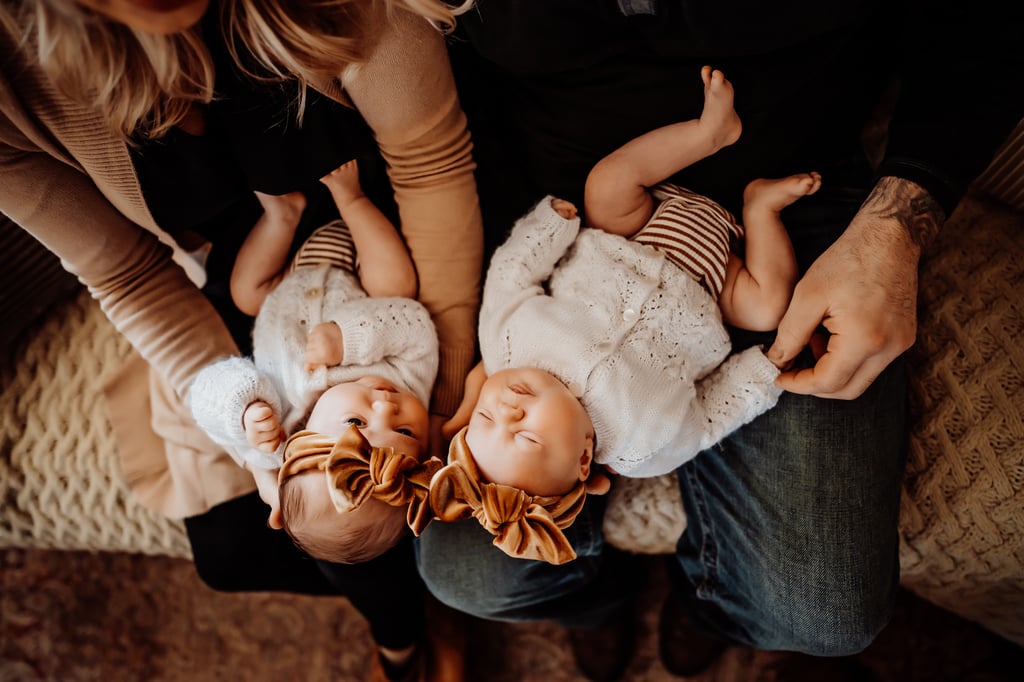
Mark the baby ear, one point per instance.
(598, 482)
(586, 458)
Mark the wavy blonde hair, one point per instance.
(145, 84)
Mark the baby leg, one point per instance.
(260, 264)
(757, 290)
(616, 196)
(769, 196)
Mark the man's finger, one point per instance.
(795, 330)
(831, 379)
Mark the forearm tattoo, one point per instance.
(907, 202)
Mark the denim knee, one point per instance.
(464, 570)
(791, 540)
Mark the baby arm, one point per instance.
(616, 194)
(395, 331)
(262, 260)
(737, 391)
(221, 399)
(385, 266)
(756, 293)
(741, 388)
(526, 260)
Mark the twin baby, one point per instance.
(601, 346)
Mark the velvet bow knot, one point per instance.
(524, 526)
(357, 471)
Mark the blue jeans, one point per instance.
(791, 541)
(465, 571)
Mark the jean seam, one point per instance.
(708, 552)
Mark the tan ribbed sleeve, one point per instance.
(144, 293)
(406, 93)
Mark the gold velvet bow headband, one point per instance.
(524, 526)
(357, 471)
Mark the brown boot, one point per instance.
(602, 654)
(684, 650)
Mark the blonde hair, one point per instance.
(145, 84)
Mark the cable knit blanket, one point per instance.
(962, 520)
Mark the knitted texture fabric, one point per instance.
(635, 338)
(962, 516)
(392, 338)
(60, 477)
(645, 515)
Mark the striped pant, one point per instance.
(331, 245)
(693, 232)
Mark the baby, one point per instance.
(343, 353)
(608, 345)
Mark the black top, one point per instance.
(570, 80)
(252, 141)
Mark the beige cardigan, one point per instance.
(71, 183)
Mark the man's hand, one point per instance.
(863, 290)
(324, 347)
(262, 428)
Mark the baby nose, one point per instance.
(385, 406)
(510, 410)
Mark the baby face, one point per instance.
(386, 415)
(528, 431)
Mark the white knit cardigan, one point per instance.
(388, 337)
(636, 339)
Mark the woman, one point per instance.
(124, 118)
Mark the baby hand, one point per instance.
(262, 429)
(600, 480)
(324, 347)
(473, 383)
(564, 208)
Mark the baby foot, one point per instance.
(343, 182)
(776, 194)
(287, 208)
(719, 115)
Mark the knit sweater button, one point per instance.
(314, 292)
(629, 315)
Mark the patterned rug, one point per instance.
(76, 616)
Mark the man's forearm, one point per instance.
(910, 204)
